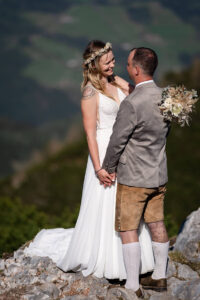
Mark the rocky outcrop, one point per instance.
(38, 278)
(188, 241)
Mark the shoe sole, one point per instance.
(157, 289)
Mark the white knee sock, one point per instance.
(132, 255)
(160, 251)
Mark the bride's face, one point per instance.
(107, 63)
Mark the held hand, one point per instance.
(104, 177)
(104, 184)
(113, 176)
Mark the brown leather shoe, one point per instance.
(158, 285)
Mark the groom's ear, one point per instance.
(137, 70)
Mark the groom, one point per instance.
(136, 151)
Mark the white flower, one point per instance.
(177, 109)
(194, 93)
(168, 103)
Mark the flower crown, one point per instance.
(98, 53)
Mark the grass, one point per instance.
(49, 62)
(51, 74)
(56, 49)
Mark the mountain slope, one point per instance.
(42, 45)
(40, 56)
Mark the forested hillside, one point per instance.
(40, 56)
(48, 196)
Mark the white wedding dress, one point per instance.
(93, 246)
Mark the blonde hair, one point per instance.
(91, 70)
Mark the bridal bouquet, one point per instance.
(177, 103)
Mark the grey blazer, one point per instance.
(136, 150)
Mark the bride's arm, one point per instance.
(125, 86)
(89, 114)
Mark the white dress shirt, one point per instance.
(144, 82)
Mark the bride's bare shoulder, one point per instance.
(89, 102)
(124, 85)
(88, 91)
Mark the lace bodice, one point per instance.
(108, 109)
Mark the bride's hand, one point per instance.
(125, 86)
(104, 177)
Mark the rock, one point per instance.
(49, 289)
(2, 264)
(188, 241)
(189, 290)
(36, 297)
(28, 297)
(37, 278)
(35, 261)
(18, 254)
(150, 294)
(185, 290)
(195, 290)
(11, 269)
(3, 286)
(171, 269)
(66, 276)
(186, 273)
(46, 262)
(27, 260)
(52, 278)
(173, 285)
(121, 293)
(162, 297)
(33, 272)
(79, 297)
(27, 280)
(8, 262)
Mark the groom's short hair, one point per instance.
(146, 58)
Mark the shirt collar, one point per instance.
(144, 82)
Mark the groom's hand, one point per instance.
(113, 176)
(104, 178)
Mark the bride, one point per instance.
(93, 246)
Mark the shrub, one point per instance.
(18, 223)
